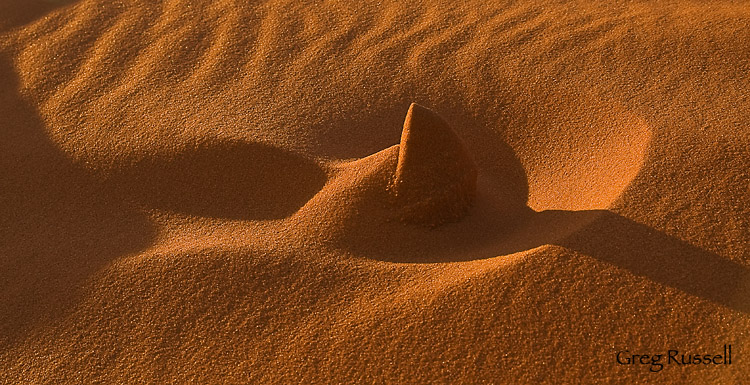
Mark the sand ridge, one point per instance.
(197, 191)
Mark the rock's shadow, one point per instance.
(600, 234)
(664, 259)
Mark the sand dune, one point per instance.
(239, 192)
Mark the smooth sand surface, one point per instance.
(206, 191)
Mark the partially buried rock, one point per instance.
(435, 179)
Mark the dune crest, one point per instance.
(436, 179)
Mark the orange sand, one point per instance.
(198, 190)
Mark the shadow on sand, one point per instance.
(16, 13)
(647, 252)
(60, 222)
(489, 231)
(219, 179)
(57, 226)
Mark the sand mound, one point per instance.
(198, 191)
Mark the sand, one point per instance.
(203, 191)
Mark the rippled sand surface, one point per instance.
(197, 190)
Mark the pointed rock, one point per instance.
(435, 180)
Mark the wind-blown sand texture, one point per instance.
(197, 190)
